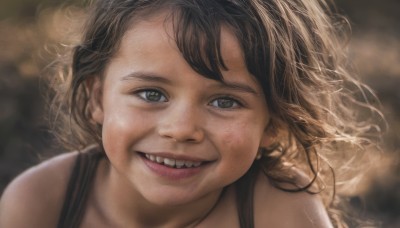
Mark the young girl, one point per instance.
(197, 113)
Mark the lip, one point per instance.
(173, 173)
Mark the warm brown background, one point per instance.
(30, 28)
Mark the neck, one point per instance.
(121, 202)
(187, 215)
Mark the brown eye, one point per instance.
(152, 95)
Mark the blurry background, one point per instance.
(30, 30)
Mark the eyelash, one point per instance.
(142, 94)
(237, 104)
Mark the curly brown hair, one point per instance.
(295, 49)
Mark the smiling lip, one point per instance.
(170, 171)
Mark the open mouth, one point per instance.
(172, 163)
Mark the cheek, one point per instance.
(121, 129)
(240, 145)
(241, 134)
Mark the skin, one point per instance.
(151, 101)
(187, 119)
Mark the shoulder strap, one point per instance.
(245, 196)
(78, 188)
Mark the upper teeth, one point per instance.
(172, 162)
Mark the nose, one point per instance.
(181, 123)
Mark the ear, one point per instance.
(94, 88)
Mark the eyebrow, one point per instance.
(151, 77)
(240, 87)
(144, 76)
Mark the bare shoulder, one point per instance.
(277, 208)
(35, 197)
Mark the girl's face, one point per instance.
(172, 134)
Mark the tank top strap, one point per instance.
(245, 196)
(78, 187)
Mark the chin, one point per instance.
(167, 200)
(170, 198)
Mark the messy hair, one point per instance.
(295, 50)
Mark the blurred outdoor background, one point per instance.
(31, 30)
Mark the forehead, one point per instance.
(147, 34)
(149, 46)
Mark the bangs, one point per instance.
(197, 30)
(197, 26)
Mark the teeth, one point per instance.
(172, 162)
(188, 164)
(179, 163)
(159, 159)
(169, 162)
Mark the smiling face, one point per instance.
(172, 134)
